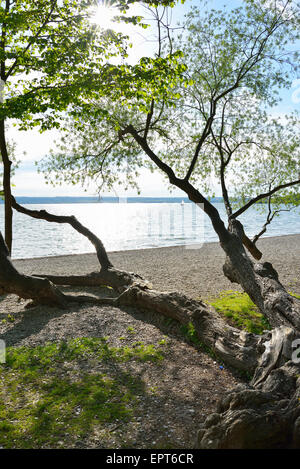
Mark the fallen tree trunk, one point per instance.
(238, 349)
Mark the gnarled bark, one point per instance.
(37, 289)
(265, 413)
(261, 282)
(118, 279)
(237, 348)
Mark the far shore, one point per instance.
(195, 272)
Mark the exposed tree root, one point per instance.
(237, 348)
(117, 279)
(264, 414)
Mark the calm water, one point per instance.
(130, 226)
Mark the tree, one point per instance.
(159, 93)
(218, 121)
(49, 54)
(207, 116)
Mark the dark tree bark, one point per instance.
(260, 281)
(8, 211)
(43, 291)
(38, 289)
(264, 414)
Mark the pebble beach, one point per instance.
(194, 272)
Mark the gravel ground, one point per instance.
(183, 390)
(195, 272)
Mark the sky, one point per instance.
(36, 146)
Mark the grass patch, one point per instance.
(295, 295)
(240, 311)
(54, 395)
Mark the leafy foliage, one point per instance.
(50, 55)
(202, 104)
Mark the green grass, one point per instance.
(295, 295)
(54, 395)
(239, 310)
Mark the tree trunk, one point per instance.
(108, 275)
(239, 349)
(260, 281)
(264, 414)
(38, 289)
(8, 212)
(70, 220)
(118, 279)
(43, 291)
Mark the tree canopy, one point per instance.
(201, 107)
(49, 53)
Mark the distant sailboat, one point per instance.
(182, 202)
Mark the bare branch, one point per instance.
(263, 196)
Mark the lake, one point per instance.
(125, 226)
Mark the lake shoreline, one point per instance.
(180, 246)
(188, 383)
(131, 227)
(194, 272)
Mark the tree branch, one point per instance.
(71, 220)
(263, 196)
(193, 194)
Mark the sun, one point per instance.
(104, 15)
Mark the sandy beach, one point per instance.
(185, 388)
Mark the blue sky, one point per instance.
(29, 183)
